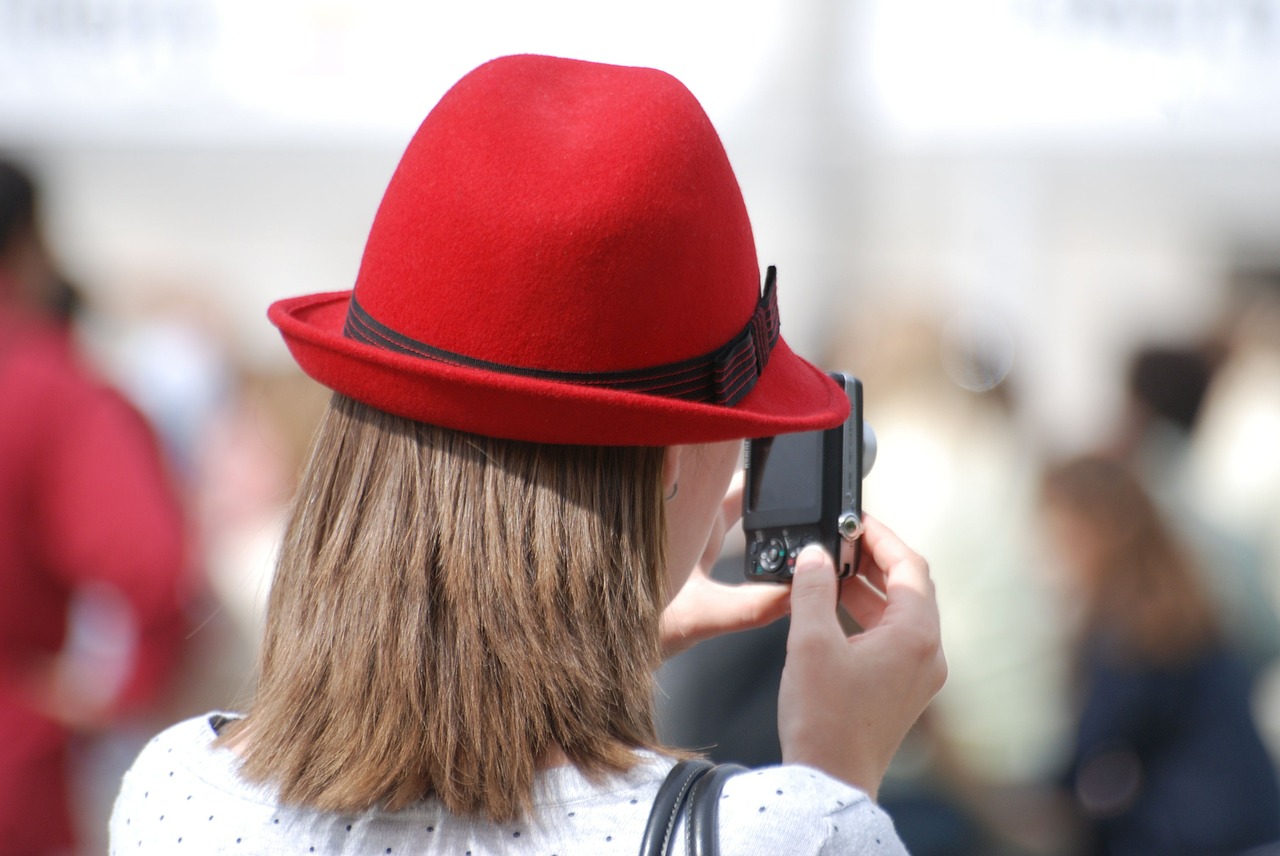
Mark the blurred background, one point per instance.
(1037, 229)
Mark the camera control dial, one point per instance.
(773, 555)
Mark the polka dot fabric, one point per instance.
(182, 796)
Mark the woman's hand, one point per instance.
(846, 703)
(703, 607)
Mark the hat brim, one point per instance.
(791, 395)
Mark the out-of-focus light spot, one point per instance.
(977, 350)
(1109, 784)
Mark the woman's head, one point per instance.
(1139, 586)
(26, 271)
(562, 278)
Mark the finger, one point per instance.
(707, 608)
(863, 602)
(730, 513)
(885, 547)
(908, 585)
(910, 596)
(813, 594)
(715, 543)
(745, 606)
(731, 506)
(908, 575)
(868, 570)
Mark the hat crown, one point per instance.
(563, 256)
(566, 215)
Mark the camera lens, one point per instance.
(773, 556)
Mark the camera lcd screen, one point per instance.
(786, 475)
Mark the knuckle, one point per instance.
(921, 565)
(938, 671)
(922, 644)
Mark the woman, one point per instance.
(542, 377)
(91, 535)
(1167, 759)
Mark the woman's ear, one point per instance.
(671, 469)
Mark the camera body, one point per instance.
(806, 488)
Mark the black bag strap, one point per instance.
(668, 804)
(702, 834)
(691, 788)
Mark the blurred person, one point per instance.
(1235, 461)
(1167, 757)
(1234, 467)
(556, 343)
(92, 550)
(1167, 414)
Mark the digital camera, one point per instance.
(806, 489)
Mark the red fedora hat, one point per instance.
(563, 256)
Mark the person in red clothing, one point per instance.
(85, 505)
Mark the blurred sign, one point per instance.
(217, 71)
(144, 70)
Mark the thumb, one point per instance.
(813, 588)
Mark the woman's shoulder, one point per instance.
(184, 758)
(184, 787)
(769, 810)
(798, 809)
(795, 780)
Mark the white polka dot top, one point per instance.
(183, 796)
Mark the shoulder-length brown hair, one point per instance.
(1143, 592)
(450, 610)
